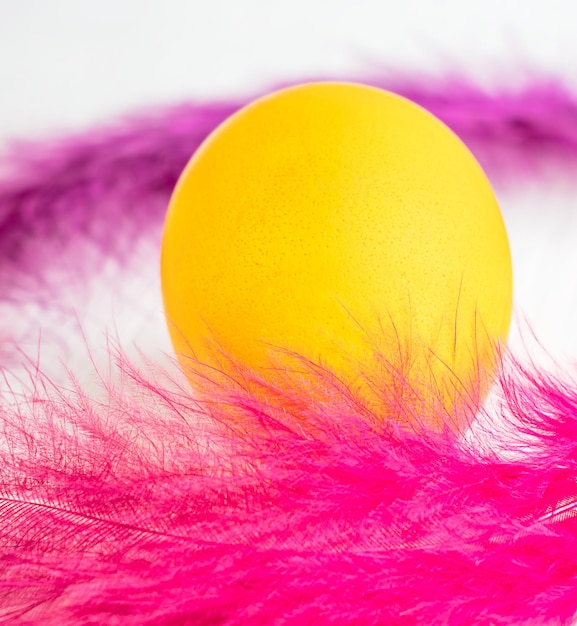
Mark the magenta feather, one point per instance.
(157, 509)
(152, 507)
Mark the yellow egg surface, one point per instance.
(346, 224)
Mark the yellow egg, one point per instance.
(348, 225)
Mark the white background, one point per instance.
(66, 65)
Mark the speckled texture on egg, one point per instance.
(339, 221)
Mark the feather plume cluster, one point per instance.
(150, 506)
(155, 508)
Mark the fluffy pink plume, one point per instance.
(154, 508)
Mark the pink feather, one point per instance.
(154, 508)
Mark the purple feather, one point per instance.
(111, 185)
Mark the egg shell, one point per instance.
(348, 225)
